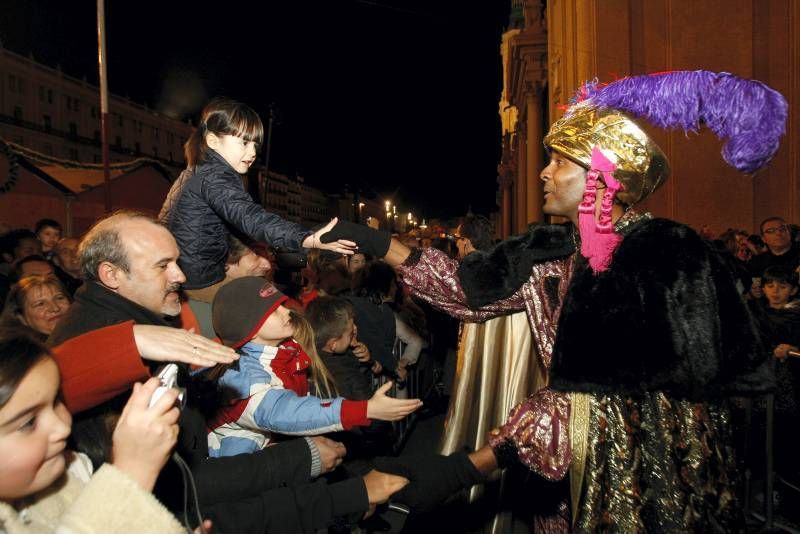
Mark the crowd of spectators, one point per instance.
(109, 307)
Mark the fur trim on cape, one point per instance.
(665, 316)
(495, 274)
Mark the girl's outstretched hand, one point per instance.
(144, 436)
(342, 246)
(386, 408)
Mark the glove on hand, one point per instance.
(433, 477)
(371, 242)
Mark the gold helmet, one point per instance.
(749, 115)
(641, 165)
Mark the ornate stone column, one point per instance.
(534, 163)
(521, 186)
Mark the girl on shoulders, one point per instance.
(208, 198)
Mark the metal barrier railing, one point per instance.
(767, 515)
(411, 390)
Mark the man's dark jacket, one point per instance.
(267, 491)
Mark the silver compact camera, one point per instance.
(168, 375)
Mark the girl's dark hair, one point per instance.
(223, 116)
(19, 352)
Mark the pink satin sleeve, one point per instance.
(434, 279)
(538, 428)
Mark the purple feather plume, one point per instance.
(748, 114)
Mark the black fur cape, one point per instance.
(495, 274)
(665, 316)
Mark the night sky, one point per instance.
(397, 97)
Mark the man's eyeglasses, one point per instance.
(452, 237)
(782, 228)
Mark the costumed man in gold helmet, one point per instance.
(638, 319)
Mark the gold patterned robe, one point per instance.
(677, 474)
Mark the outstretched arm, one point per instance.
(492, 279)
(536, 434)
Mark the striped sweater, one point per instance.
(270, 391)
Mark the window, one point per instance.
(97, 136)
(12, 83)
(73, 154)
(155, 151)
(94, 112)
(17, 113)
(69, 102)
(120, 120)
(137, 148)
(41, 93)
(76, 105)
(47, 123)
(155, 132)
(21, 86)
(49, 96)
(73, 129)
(118, 141)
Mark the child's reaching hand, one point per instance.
(360, 351)
(342, 246)
(144, 437)
(386, 408)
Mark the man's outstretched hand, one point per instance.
(433, 477)
(371, 242)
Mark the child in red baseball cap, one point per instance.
(269, 383)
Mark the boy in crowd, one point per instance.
(268, 387)
(331, 318)
(48, 232)
(350, 363)
(780, 328)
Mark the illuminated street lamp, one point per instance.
(388, 205)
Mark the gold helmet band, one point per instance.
(641, 165)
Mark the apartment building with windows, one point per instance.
(55, 114)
